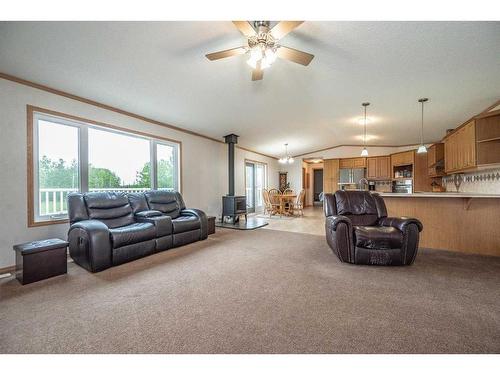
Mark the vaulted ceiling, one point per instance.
(158, 69)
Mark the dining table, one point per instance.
(283, 199)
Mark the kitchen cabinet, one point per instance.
(402, 158)
(435, 160)
(330, 175)
(378, 168)
(421, 179)
(352, 163)
(460, 149)
(488, 140)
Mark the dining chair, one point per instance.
(274, 198)
(299, 202)
(269, 207)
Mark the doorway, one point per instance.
(255, 182)
(317, 184)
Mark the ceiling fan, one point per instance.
(263, 46)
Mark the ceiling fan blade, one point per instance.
(245, 28)
(294, 55)
(283, 28)
(226, 53)
(257, 73)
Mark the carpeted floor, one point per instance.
(261, 291)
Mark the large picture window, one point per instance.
(70, 155)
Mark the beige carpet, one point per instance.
(261, 291)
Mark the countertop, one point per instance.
(447, 194)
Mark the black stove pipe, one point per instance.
(231, 140)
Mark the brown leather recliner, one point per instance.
(359, 231)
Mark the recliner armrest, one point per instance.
(400, 222)
(333, 221)
(201, 216)
(90, 244)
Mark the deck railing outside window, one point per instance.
(54, 201)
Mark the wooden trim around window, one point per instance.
(81, 99)
(30, 110)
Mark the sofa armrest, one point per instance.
(400, 223)
(163, 223)
(148, 213)
(201, 216)
(90, 245)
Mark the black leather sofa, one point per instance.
(111, 228)
(359, 231)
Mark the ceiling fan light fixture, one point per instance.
(290, 160)
(270, 56)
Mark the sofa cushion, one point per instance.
(185, 223)
(112, 208)
(165, 201)
(379, 238)
(355, 203)
(138, 202)
(133, 233)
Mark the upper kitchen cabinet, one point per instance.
(460, 148)
(378, 168)
(488, 140)
(402, 158)
(435, 160)
(352, 163)
(330, 175)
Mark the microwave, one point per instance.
(402, 186)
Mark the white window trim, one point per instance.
(83, 157)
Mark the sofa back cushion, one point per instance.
(168, 202)
(112, 208)
(138, 202)
(359, 206)
(77, 211)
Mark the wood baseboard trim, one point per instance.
(9, 269)
(107, 107)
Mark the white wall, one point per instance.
(295, 170)
(204, 162)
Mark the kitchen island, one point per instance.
(465, 222)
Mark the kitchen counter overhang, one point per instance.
(465, 222)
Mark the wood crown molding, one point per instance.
(107, 107)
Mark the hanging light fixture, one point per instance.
(287, 158)
(365, 151)
(422, 149)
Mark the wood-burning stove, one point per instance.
(232, 205)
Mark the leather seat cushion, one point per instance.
(133, 233)
(378, 237)
(186, 223)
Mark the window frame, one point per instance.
(35, 114)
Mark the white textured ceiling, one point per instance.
(158, 69)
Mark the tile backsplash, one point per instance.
(485, 181)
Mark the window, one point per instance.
(72, 155)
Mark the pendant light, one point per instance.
(422, 149)
(287, 158)
(365, 151)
